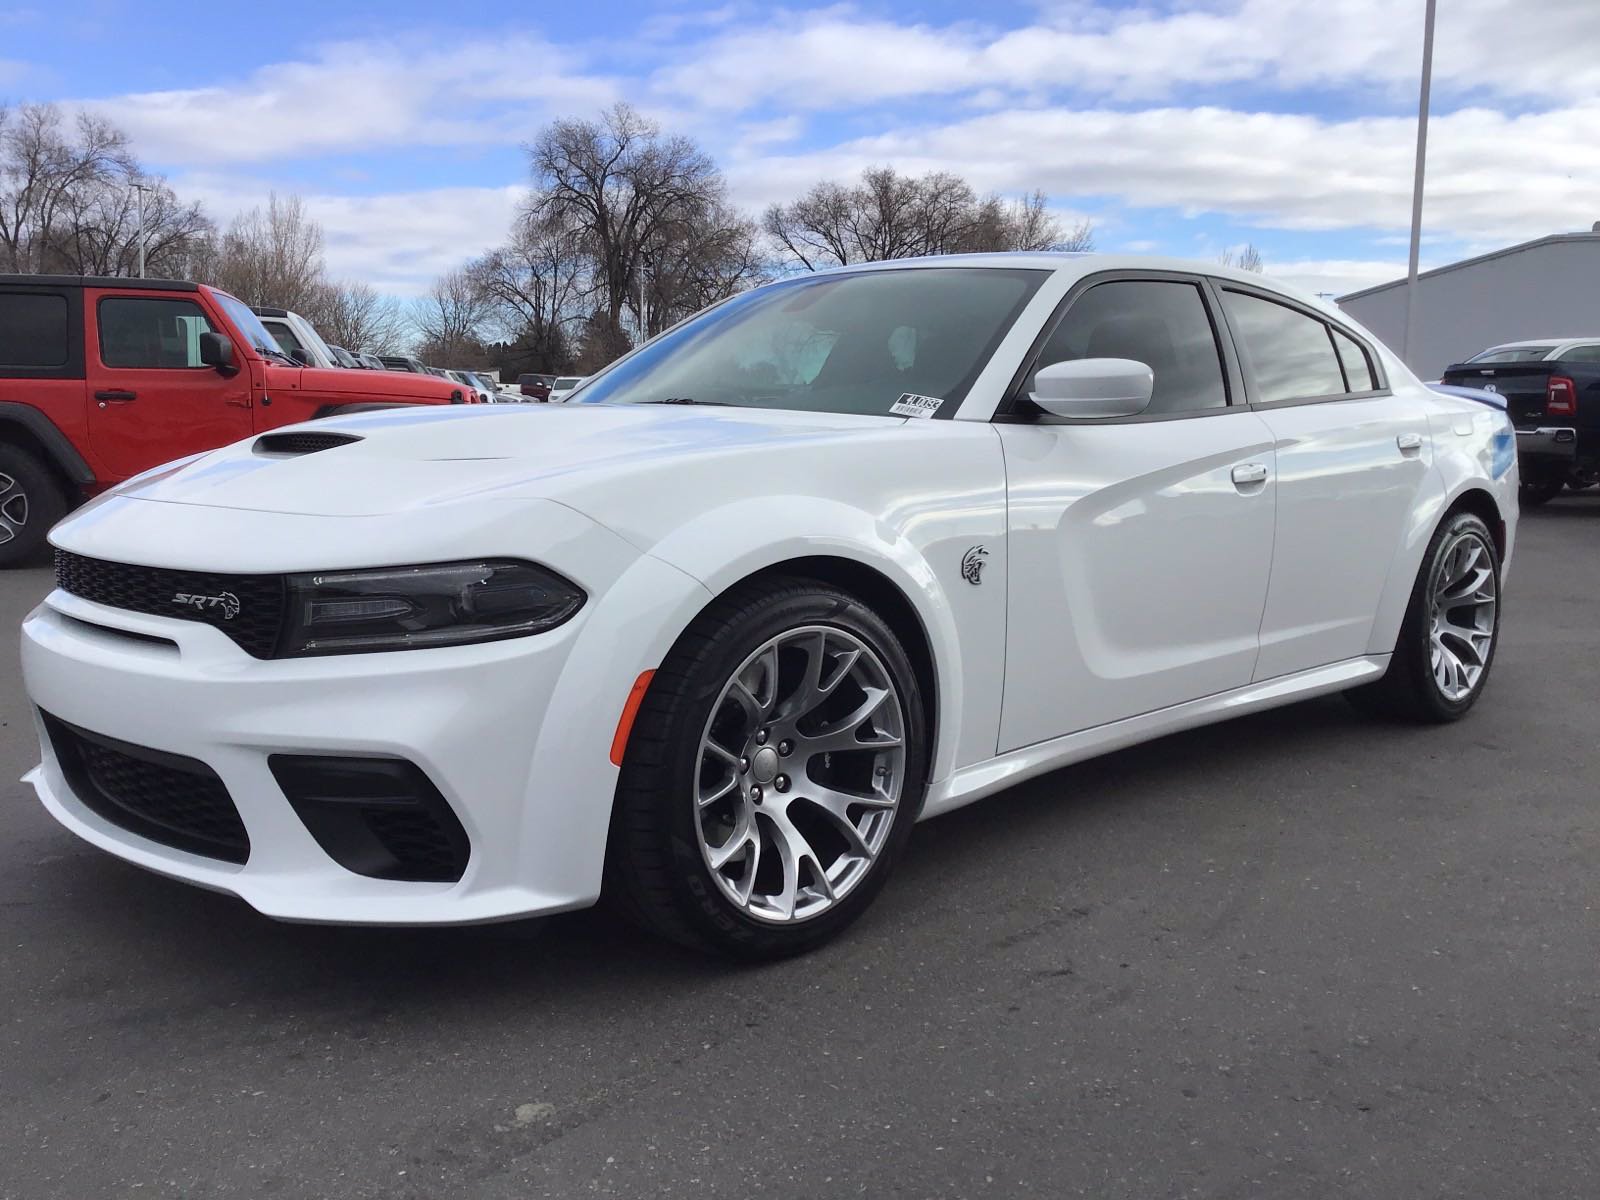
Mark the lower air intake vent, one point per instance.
(179, 802)
(301, 443)
(379, 817)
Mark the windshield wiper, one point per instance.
(688, 400)
(278, 354)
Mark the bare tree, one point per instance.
(272, 256)
(538, 288)
(889, 215)
(1246, 259)
(450, 321)
(97, 230)
(356, 316)
(619, 181)
(693, 263)
(46, 170)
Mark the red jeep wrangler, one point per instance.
(101, 379)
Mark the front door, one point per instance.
(1351, 459)
(1139, 549)
(151, 399)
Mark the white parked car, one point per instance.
(840, 553)
(564, 386)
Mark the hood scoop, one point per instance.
(294, 444)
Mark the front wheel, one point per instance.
(1447, 640)
(772, 775)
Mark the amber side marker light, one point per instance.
(630, 710)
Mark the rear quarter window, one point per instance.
(34, 330)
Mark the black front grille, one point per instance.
(248, 608)
(177, 801)
(301, 443)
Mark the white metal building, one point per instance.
(1549, 288)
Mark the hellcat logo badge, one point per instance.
(226, 605)
(972, 565)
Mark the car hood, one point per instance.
(409, 458)
(351, 386)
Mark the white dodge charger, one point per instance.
(839, 553)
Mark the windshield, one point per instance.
(1509, 354)
(849, 343)
(248, 324)
(570, 381)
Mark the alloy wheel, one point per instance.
(800, 772)
(1462, 607)
(13, 509)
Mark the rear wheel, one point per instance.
(1532, 495)
(30, 503)
(772, 775)
(1447, 640)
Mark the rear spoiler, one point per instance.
(1491, 399)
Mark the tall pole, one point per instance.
(138, 190)
(1416, 186)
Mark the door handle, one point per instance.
(115, 396)
(1409, 443)
(1248, 473)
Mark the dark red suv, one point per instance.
(101, 379)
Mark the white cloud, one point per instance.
(398, 242)
(361, 96)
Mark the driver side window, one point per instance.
(1160, 323)
(141, 332)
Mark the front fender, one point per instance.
(727, 544)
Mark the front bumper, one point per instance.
(515, 735)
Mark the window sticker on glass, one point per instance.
(912, 405)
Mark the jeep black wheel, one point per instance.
(30, 502)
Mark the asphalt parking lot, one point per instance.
(1299, 955)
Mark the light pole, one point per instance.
(1416, 186)
(138, 189)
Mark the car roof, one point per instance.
(1552, 344)
(162, 285)
(1093, 263)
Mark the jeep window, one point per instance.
(248, 324)
(33, 330)
(144, 332)
(847, 343)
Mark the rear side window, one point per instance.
(1589, 353)
(1159, 323)
(1357, 367)
(33, 330)
(136, 331)
(1291, 353)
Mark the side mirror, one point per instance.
(216, 351)
(300, 356)
(1093, 387)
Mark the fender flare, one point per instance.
(725, 545)
(58, 447)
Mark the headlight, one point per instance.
(407, 608)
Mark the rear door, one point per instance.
(1351, 458)
(151, 399)
(1138, 548)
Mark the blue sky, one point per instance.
(1176, 127)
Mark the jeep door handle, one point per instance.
(1247, 474)
(1409, 443)
(115, 396)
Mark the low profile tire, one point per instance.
(1447, 640)
(30, 503)
(1532, 495)
(772, 776)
